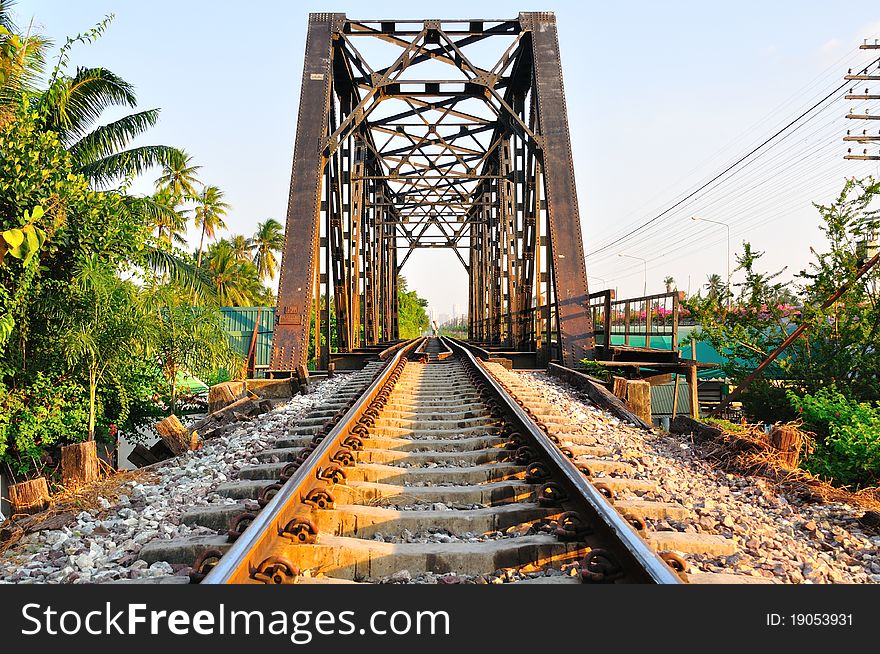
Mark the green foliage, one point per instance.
(48, 412)
(726, 425)
(849, 449)
(101, 327)
(840, 346)
(182, 337)
(236, 279)
(23, 243)
(411, 315)
(267, 241)
(597, 370)
(96, 313)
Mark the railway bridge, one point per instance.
(455, 135)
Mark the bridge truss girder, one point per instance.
(476, 160)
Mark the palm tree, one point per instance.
(236, 280)
(715, 286)
(164, 214)
(73, 104)
(209, 212)
(669, 282)
(241, 247)
(179, 175)
(109, 327)
(22, 61)
(267, 241)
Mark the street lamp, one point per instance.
(725, 225)
(645, 261)
(604, 281)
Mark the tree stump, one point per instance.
(174, 434)
(79, 464)
(619, 388)
(29, 496)
(638, 398)
(219, 396)
(788, 441)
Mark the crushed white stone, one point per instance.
(103, 545)
(777, 536)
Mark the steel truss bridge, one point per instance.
(456, 136)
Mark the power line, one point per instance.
(731, 167)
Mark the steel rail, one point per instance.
(255, 544)
(653, 566)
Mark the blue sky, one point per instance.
(660, 96)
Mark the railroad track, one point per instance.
(436, 467)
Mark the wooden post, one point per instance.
(788, 441)
(692, 383)
(221, 395)
(79, 464)
(692, 380)
(29, 496)
(619, 388)
(638, 398)
(675, 396)
(174, 434)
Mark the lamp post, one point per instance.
(726, 226)
(604, 281)
(645, 261)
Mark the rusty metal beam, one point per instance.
(301, 243)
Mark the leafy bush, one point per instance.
(48, 412)
(848, 447)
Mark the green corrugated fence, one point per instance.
(238, 323)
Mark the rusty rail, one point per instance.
(619, 534)
(255, 544)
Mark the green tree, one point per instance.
(101, 328)
(179, 175)
(183, 337)
(267, 241)
(412, 319)
(163, 211)
(840, 347)
(236, 280)
(73, 105)
(22, 61)
(209, 212)
(715, 288)
(240, 247)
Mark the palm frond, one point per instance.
(131, 162)
(149, 210)
(109, 139)
(23, 61)
(182, 273)
(75, 103)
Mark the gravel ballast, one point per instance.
(102, 545)
(776, 536)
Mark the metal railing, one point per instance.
(649, 321)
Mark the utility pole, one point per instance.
(865, 137)
(645, 261)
